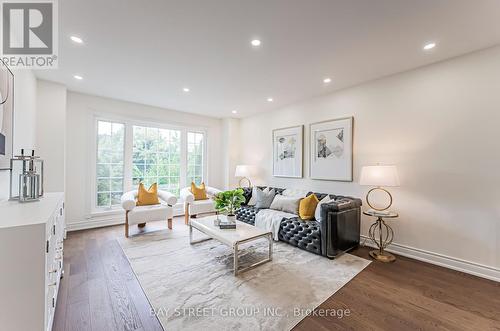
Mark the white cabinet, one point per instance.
(31, 262)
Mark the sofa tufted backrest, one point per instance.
(339, 199)
(247, 193)
(320, 196)
(276, 189)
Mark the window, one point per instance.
(129, 152)
(156, 158)
(109, 165)
(195, 157)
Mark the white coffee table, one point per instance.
(243, 233)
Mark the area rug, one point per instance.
(192, 287)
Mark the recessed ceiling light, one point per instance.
(270, 99)
(76, 39)
(234, 111)
(429, 46)
(186, 89)
(78, 77)
(255, 42)
(327, 80)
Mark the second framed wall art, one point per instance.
(331, 149)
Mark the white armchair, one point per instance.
(142, 214)
(193, 208)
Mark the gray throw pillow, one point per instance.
(253, 198)
(264, 199)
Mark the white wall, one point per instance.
(440, 125)
(231, 147)
(51, 133)
(81, 109)
(25, 85)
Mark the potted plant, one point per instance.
(228, 202)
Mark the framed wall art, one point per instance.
(331, 149)
(288, 151)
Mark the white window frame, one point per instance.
(129, 122)
(204, 158)
(93, 158)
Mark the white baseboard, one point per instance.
(95, 222)
(468, 267)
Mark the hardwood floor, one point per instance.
(411, 295)
(100, 292)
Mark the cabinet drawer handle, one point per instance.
(53, 284)
(53, 271)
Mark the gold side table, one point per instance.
(382, 235)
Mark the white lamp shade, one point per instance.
(242, 171)
(379, 175)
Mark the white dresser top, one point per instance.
(13, 213)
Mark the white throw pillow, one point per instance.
(286, 204)
(297, 193)
(317, 213)
(253, 198)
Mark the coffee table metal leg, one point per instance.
(191, 241)
(270, 252)
(236, 266)
(269, 258)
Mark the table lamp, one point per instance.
(379, 176)
(244, 172)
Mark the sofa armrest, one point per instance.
(340, 226)
(186, 195)
(340, 204)
(168, 197)
(247, 193)
(212, 190)
(128, 200)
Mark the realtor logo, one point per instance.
(29, 34)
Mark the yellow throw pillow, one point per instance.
(199, 192)
(147, 197)
(307, 207)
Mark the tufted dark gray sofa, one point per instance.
(338, 232)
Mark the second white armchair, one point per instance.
(193, 208)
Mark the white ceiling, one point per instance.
(147, 51)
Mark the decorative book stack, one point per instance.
(227, 225)
(224, 223)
